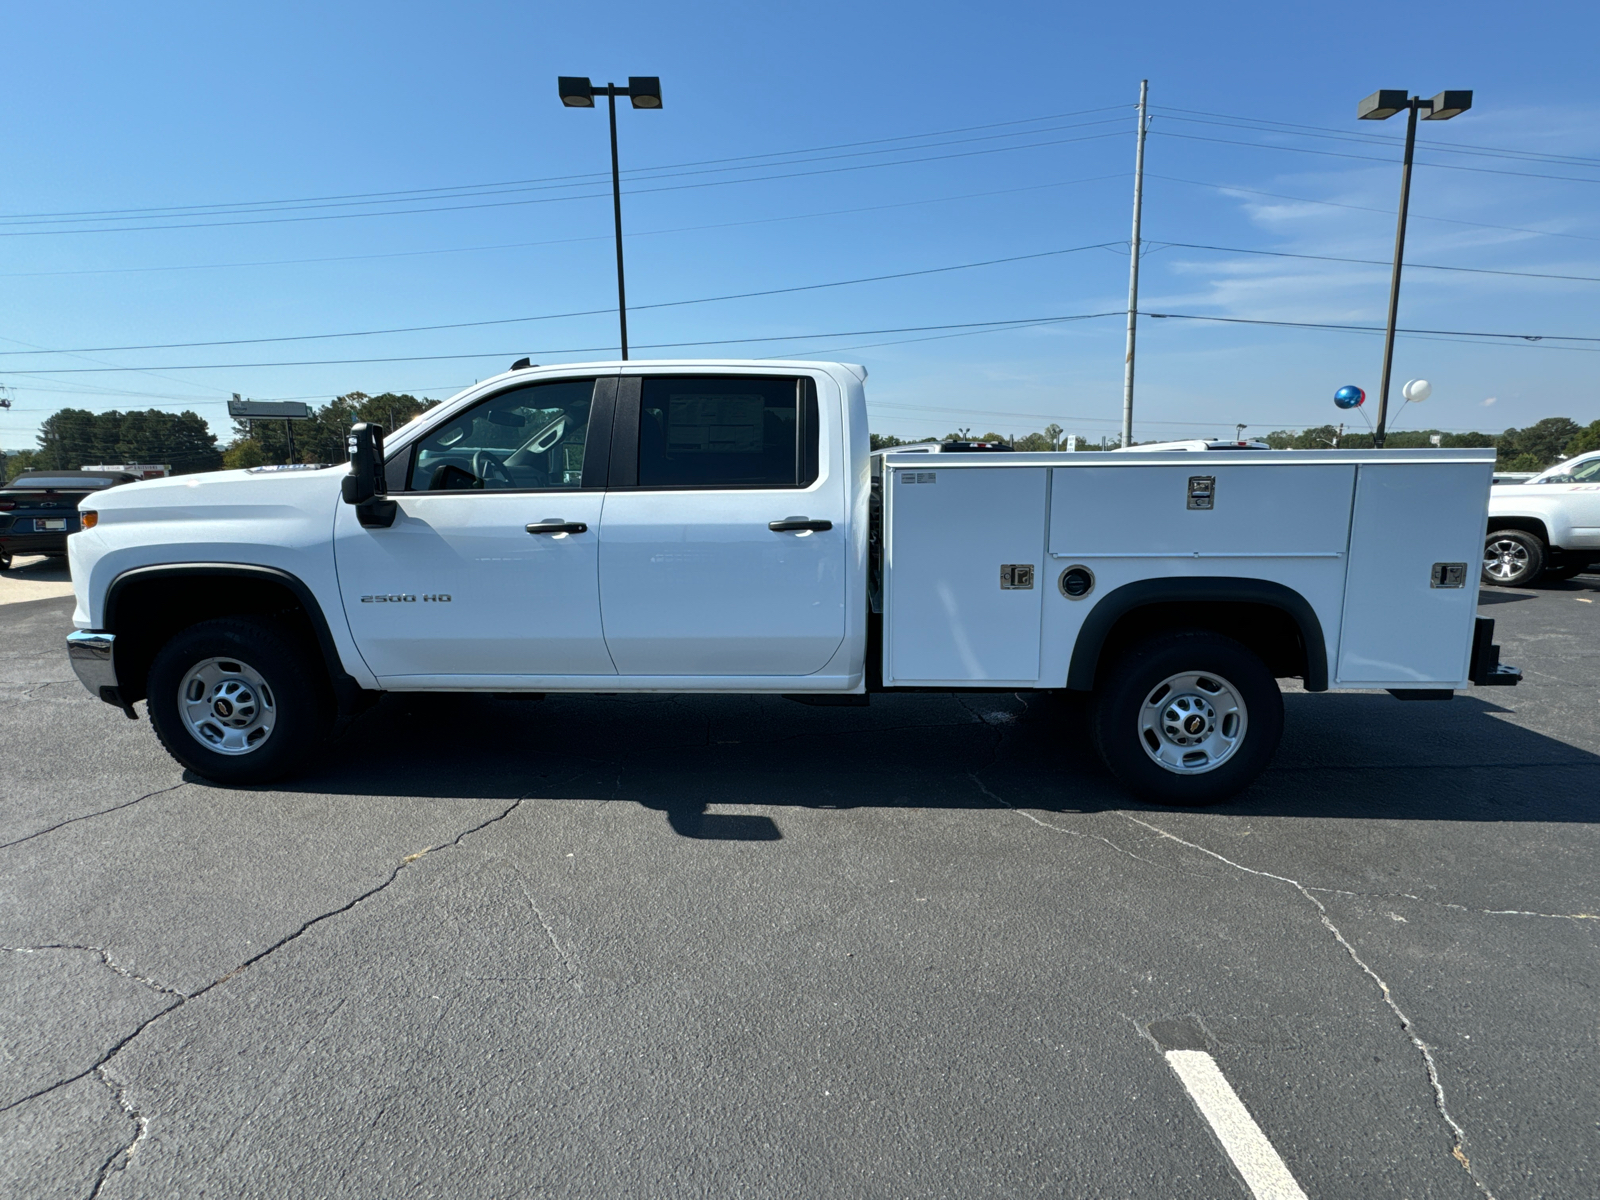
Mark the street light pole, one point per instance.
(1380, 106)
(616, 208)
(1380, 432)
(645, 92)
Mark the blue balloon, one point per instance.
(1350, 396)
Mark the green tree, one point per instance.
(1543, 441)
(1585, 440)
(243, 454)
(322, 438)
(18, 461)
(75, 437)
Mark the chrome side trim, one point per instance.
(91, 654)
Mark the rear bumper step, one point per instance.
(1485, 668)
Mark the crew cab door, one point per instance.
(695, 579)
(490, 567)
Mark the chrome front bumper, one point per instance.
(91, 655)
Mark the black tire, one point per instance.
(5, 560)
(1213, 766)
(293, 707)
(1512, 558)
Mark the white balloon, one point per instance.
(1417, 390)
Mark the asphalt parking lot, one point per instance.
(737, 946)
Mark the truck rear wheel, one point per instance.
(1188, 718)
(237, 700)
(1512, 558)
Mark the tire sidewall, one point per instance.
(1131, 679)
(289, 671)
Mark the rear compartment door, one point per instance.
(1403, 624)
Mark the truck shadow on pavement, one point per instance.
(1343, 755)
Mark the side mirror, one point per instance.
(366, 486)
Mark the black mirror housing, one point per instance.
(367, 486)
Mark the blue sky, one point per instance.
(900, 138)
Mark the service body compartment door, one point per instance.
(1403, 624)
(963, 572)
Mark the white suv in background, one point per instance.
(1547, 527)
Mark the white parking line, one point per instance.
(1263, 1169)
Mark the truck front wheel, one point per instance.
(1512, 558)
(1188, 718)
(237, 700)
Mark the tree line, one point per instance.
(76, 437)
(322, 438)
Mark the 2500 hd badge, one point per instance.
(441, 597)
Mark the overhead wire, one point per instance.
(1371, 136)
(597, 175)
(606, 237)
(1388, 212)
(809, 287)
(1195, 137)
(768, 178)
(1377, 262)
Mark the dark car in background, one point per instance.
(38, 509)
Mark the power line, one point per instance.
(991, 326)
(1379, 262)
(1195, 137)
(603, 237)
(1388, 212)
(16, 233)
(635, 176)
(1450, 333)
(1375, 138)
(809, 287)
(781, 337)
(423, 192)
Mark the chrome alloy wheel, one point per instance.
(1192, 723)
(227, 706)
(1505, 560)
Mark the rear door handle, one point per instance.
(797, 524)
(557, 527)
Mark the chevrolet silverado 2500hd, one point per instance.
(721, 526)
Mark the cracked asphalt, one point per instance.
(734, 946)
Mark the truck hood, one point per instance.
(247, 492)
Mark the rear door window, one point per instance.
(727, 432)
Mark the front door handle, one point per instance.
(797, 524)
(557, 527)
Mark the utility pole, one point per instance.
(1133, 269)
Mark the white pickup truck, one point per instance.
(717, 526)
(1548, 527)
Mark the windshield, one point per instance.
(1582, 470)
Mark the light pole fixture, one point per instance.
(645, 92)
(1380, 106)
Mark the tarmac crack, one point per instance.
(182, 998)
(1459, 1149)
(122, 1158)
(1484, 912)
(105, 959)
(91, 816)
